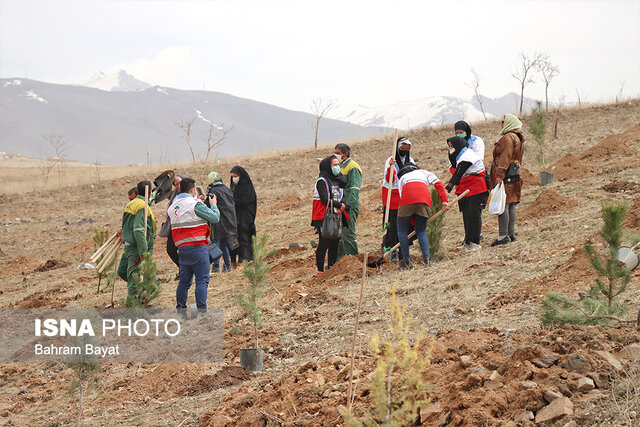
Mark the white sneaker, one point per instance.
(470, 247)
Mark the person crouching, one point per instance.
(190, 230)
(415, 201)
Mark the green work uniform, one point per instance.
(135, 243)
(348, 244)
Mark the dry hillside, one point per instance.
(491, 363)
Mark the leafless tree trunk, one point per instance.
(60, 145)
(214, 141)
(619, 96)
(523, 73)
(475, 84)
(186, 127)
(558, 113)
(320, 107)
(579, 100)
(549, 71)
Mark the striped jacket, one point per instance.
(190, 219)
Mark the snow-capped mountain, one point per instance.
(432, 111)
(120, 81)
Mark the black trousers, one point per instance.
(326, 245)
(172, 251)
(471, 208)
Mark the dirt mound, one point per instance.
(283, 252)
(548, 203)
(575, 275)
(621, 186)
(632, 219)
(293, 268)
(226, 377)
(51, 264)
(570, 167)
(528, 178)
(51, 298)
(290, 202)
(21, 265)
(479, 377)
(612, 145)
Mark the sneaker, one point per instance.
(226, 269)
(470, 247)
(513, 237)
(215, 270)
(498, 242)
(394, 256)
(428, 261)
(481, 237)
(405, 264)
(320, 272)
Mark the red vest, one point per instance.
(319, 209)
(187, 229)
(474, 183)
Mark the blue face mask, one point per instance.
(462, 135)
(335, 170)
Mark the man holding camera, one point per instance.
(190, 219)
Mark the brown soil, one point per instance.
(290, 202)
(549, 202)
(613, 145)
(51, 298)
(571, 277)
(528, 178)
(51, 264)
(226, 377)
(621, 186)
(283, 252)
(312, 394)
(632, 219)
(570, 167)
(21, 265)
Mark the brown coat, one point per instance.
(507, 150)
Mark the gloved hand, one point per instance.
(449, 187)
(139, 260)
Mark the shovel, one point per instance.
(380, 260)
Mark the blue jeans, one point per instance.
(222, 244)
(194, 260)
(421, 232)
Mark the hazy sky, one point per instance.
(358, 52)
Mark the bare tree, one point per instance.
(559, 106)
(46, 167)
(549, 71)
(619, 96)
(216, 137)
(578, 96)
(475, 84)
(525, 68)
(60, 145)
(186, 127)
(320, 107)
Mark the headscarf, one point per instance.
(327, 173)
(511, 122)
(409, 167)
(462, 125)
(214, 177)
(459, 144)
(405, 158)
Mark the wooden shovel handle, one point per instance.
(392, 170)
(436, 215)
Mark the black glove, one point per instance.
(449, 187)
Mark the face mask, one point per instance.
(335, 169)
(235, 179)
(339, 157)
(452, 150)
(462, 135)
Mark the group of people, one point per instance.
(200, 229)
(406, 195)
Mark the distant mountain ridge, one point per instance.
(432, 111)
(120, 81)
(122, 125)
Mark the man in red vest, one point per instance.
(190, 230)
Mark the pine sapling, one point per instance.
(256, 273)
(600, 307)
(147, 285)
(397, 389)
(538, 127)
(434, 228)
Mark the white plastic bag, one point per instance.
(497, 199)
